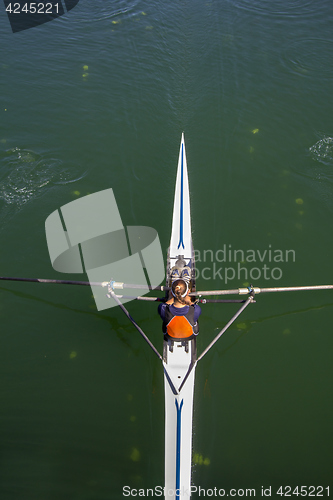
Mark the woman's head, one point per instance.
(179, 289)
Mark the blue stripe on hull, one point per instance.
(179, 411)
(181, 222)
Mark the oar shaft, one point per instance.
(295, 288)
(256, 290)
(54, 282)
(115, 284)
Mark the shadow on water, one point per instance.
(244, 327)
(115, 325)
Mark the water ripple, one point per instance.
(278, 7)
(309, 57)
(100, 10)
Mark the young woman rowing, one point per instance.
(179, 314)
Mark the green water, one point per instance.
(250, 84)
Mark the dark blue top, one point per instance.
(179, 311)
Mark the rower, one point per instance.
(179, 314)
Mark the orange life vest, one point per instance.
(180, 327)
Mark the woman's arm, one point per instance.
(188, 300)
(170, 299)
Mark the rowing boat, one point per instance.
(179, 357)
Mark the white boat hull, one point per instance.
(181, 235)
(178, 418)
(179, 357)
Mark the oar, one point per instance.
(245, 291)
(115, 284)
(54, 282)
(120, 285)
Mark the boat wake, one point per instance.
(26, 175)
(322, 151)
(317, 172)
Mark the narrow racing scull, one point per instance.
(179, 357)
